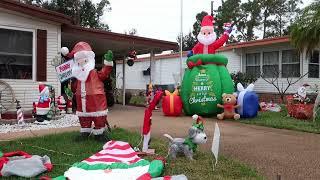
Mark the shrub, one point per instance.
(243, 78)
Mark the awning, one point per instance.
(120, 44)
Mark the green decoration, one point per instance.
(204, 82)
(1, 154)
(108, 56)
(68, 92)
(156, 168)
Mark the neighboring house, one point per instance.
(31, 37)
(266, 55)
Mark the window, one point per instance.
(253, 64)
(290, 63)
(314, 64)
(16, 54)
(270, 64)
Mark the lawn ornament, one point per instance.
(248, 101)
(229, 106)
(149, 94)
(68, 92)
(146, 130)
(89, 90)
(44, 105)
(20, 117)
(61, 104)
(301, 95)
(22, 164)
(208, 43)
(188, 146)
(207, 77)
(272, 107)
(298, 109)
(172, 104)
(122, 162)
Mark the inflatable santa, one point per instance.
(89, 90)
(43, 105)
(208, 43)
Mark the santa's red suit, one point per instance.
(207, 38)
(89, 89)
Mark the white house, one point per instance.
(266, 56)
(31, 37)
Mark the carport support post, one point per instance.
(151, 57)
(124, 81)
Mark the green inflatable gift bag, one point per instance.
(204, 82)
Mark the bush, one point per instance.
(128, 97)
(243, 78)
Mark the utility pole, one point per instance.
(181, 39)
(212, 8)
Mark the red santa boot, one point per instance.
(61, 104)
(43, 105)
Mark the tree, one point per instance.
(83, 12)
(188, 41)
(306, 28)
(281, 87)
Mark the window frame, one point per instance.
(246, 63)
(290, 63)
(308, 56)
(278, 61)
(34, 45)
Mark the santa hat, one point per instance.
(197, 118)
(80, 51)
(207, 22)
(42, 88)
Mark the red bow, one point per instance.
(192, 64)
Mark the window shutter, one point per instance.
(41, 55)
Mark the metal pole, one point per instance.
(124, 81)
(211, 8)
(151, 56)
(181, 40)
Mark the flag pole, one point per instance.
(181, 39)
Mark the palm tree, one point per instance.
(306, 29)
(306, 34)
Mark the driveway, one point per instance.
(291, 154)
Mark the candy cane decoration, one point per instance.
(147, 120)
(20, 116)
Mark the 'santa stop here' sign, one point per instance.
(64, 71)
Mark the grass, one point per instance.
(280, 120)
(135, 100)
(201, 168)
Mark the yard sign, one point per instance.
(64, 70)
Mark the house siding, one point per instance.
(26, 91)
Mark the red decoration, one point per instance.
(299, 110)
(172, 104)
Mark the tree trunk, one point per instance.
(264, 25)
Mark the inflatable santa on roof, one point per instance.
(89, 90)
(208, 43)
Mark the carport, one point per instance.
(119, 44)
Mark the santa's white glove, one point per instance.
(108, 58)
(227, 28)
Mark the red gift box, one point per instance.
(172, 104)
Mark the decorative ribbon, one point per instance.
(175, 93)
(199, 63)
(192, 64)
(43, 98)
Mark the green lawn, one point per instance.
(280, 120)
(201, 168)
(135, 100)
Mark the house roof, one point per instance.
(228, 47)
(260, 42)
(116, 42)
(35, 11)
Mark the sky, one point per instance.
(158, 19)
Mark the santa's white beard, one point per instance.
(207, 40)
(82, 72)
